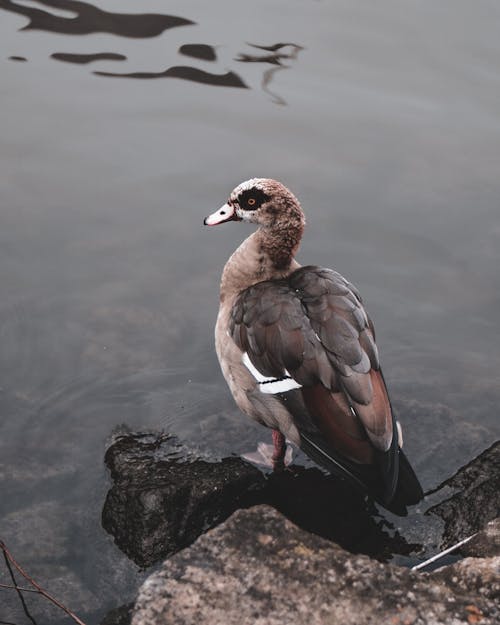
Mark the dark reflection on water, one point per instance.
(198, 51)
(86, 19)
(276, 54)
(230, 79)
(82, 59)
(90, 19)
(17, 58)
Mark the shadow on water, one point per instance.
(82, 18)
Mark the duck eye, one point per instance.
(251, 201)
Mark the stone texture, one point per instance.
(475, 499)
(260, 568)
(486, 543)
(164, 496)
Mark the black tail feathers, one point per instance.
(408, 490)
(392, 483)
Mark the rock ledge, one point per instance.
(260, 568)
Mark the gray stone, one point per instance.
(475, 497)
(260, 568)
(164, 496)
(486, 543)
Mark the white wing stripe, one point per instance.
(270, 385)
(280, 386)
(255, 372)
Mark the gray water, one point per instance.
(383, 118)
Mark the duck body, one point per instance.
(298, 351)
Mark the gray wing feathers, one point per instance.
(337, 315)
(268, 322)
(313, 325)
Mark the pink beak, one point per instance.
(225, 213)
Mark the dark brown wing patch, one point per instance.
(340, 428)
(337, 315)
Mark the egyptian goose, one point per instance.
(298, 351)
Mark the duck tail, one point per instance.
(408, 490)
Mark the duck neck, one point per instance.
(266, 254)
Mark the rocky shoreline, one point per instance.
(293, 547)
(260, 568)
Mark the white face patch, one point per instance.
(253, 183)
(270, 385)
(245, 215)
(250, 216)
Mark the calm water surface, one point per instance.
(122, 126)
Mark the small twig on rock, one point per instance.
(441, 554)
(10, 560)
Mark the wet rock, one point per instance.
(163, 497)
(258, 567)
(327, 506)
(486, 543)
(476, 499)
(119, 616)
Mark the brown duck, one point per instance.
(298, 351)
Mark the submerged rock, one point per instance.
(258, 567)
(119, 616)
(475, 499)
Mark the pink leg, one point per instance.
(279, 451)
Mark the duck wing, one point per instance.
(309, 335)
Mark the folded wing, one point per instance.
(312, 329)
